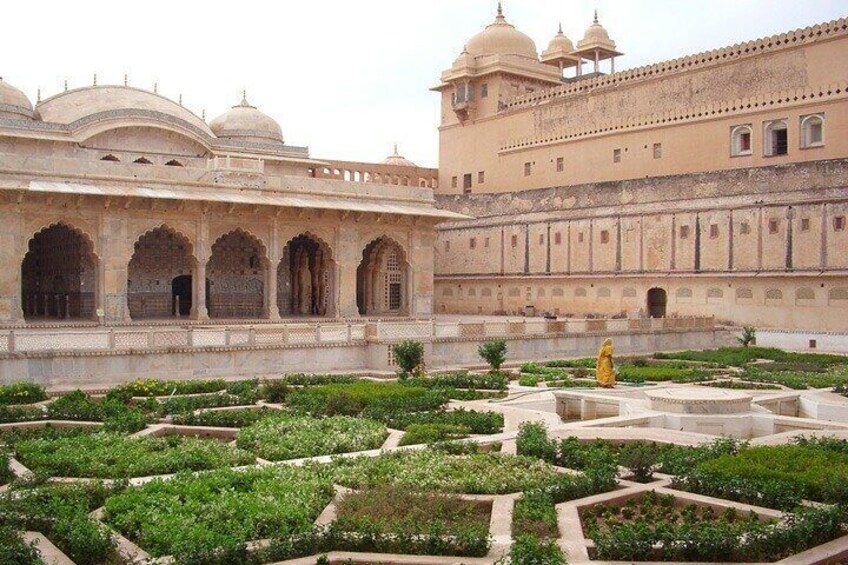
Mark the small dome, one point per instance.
(245, 123)
(397, 160)
(560, 42)
(14, 103)
(501, 38)
(596, 35)
(465, 59)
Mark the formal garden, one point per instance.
(341, 467)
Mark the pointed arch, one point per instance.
(383, 279)
(306, 277)
(59, 274)
(159, 274)
(236, 272)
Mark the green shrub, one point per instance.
(180, 404)
(276, 391)
(112, 455)
(75, 405)
(21, 393)
(432, 433)
(494, 353)
(632, 373)
(14, 550)
(21, 414)
(375, 400)
(409, 355)
(529, 550)
(640, 458)
(797, 380)
(302, 379)
(585, 363)
(155, 387)
(535, 513)
(739, 356)
(532, 441)
(6, 474)
(247, 391)
(476, 422)
(461, 379)
(748, 336)
(529, 380)
(288, 436)
(219, 509)
(237, 418)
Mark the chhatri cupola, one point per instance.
(560, 52)
(597, 46)
(244, 123)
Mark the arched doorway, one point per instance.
(657, 300)
(58, 275)
(236, 271)
(305, 278)
(161, 257)
(382, 279)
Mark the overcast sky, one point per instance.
(346, 78)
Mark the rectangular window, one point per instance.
(657, 150)
(484, 90)
(740, 140)
(580, 237)
(472, 243)
(616, 155)
(481, 177)
(515, 241)
(713, 231)
(839, 223)
(486, 242)
(394, 296)
(453, 182)
(776, 138)
(744, 228)
(805, 224)
(604, 236)
(560, 164)
(558, 238)
(812, 130)
(527, 169)
(466, 182)
(773, 225)
(684, 232)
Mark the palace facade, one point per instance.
(119, 205)
(716, 183)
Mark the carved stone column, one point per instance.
(198, 291)
(271, 309)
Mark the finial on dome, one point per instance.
(38, 97)
(95, 79)
(560, 28)
(181, 99)
(203, 114)
(126, 79)
(155, 88)
(500, 10)
(396, 151)
(66, 85)
(244, 101)
(596, 15)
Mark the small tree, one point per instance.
(640, 458)
(494, 353)
(748, 337)
(409, 355)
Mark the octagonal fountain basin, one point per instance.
(692, 400)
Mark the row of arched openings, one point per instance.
(59, 277)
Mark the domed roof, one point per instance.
(465, 59)
(501, 38)
(244, 122)
(596, 35)
(560, 42)
(13, 102)
(107, 101)
(397, 160)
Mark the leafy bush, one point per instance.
(155, 387)
(476, 422)
(112, 455)
(632, 373)
(14, 550)
(6, 474)
(529, 550)
(432, 433)
(535, 513)
(739, 356)
(494, 353)
(115, 415)
(21, 393)
(237, 418)
(276, 391)
(585, 363)
(247, 391)
(640, 458)
(375, 400)
(180, 404)
(679, 460)
(533, 368)
(302, 379)
(529, 380)
(397, 520)
(796, 380)
(461, 379)
(748, 336)
(20, 414)
(409, 355)
(532, 441)
(219, 509)
(289, 436)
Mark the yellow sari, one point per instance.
(604, 369)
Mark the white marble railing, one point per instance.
(153, 338)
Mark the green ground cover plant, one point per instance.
(115, 415)
(529, 380)
(634, 373)
(21, 393)
(113, 455)
(6, 474)
(155, 387)
(739, 356)
(10, 414)
(289, 436)
(432, 433)
(14, 550)
(182, 404)
(584, 362)
(535, 514)
(530, 550)
(303, 379)
(477, 422)
(61, 513)
(211, 516)
(237, 418)
(461, 379)
(654, 528)
(393, 519)
(367, 398)
(797, 380)
(741, 385)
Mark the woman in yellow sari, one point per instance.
(604, 370)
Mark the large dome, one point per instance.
(245, 123)
(13, 102)
(501, 38)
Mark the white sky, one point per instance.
(346, 78)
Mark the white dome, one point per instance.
(14, 103)
(501, 38)
(244, 122)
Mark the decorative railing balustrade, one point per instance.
(128, 339)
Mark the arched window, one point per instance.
(142, 161)
(775, 138)
(111, 158)
(174, 163)
(740, 140)
(812, 130)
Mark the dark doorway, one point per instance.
(181, 295)
(657, 299)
